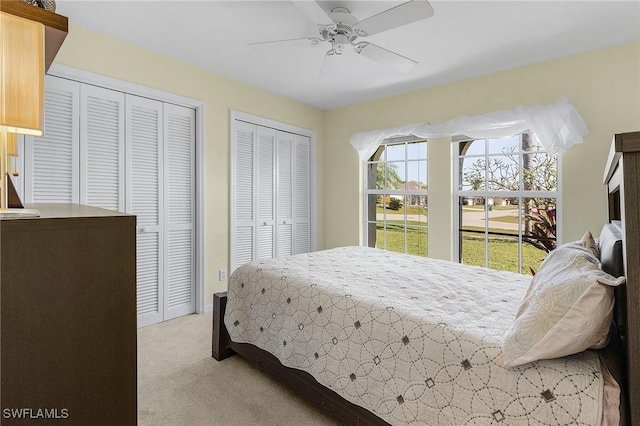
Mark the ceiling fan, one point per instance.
(340, 28)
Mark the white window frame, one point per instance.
(367, 191)
(458, 193)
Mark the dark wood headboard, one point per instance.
(622, 178)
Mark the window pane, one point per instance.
(539, 231)
(395, 152)
(416, 207)
(375, 207)
(540, 172)
(394, 174)
(503, 173)
(417, 241)
(472, 227)
(395, 207)
(539, 222)
(472, 249)
(472, 174)
(375, 235)
(504, 146)
(375, 177)
(395, 237)
(472, 147)
(503, 228)
(417, 175)
(503, 252)
(417, 151)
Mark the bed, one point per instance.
(345, 346)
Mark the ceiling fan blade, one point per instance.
(303, 40)
(329, 66)
(314, 12)
(398, 16)
(384, 56)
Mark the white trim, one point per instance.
(207, 308)
(70, 73)
(199, 211)
(236, 116)
(87, 77)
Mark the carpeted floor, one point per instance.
(180, 384)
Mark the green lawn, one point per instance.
(416, 239)
(504, 219)
(410, 210)
(503, 251)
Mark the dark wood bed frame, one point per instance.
(622, 356)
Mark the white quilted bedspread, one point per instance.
(413, 340)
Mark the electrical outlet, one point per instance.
(222, 275)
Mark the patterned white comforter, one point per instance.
(413, 340)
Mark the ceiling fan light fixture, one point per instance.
(338, 42)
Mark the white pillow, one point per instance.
(567, 307)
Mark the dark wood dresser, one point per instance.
(68, 317)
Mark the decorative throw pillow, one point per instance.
(567, 307)
(590, 243)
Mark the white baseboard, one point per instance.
(208, 308)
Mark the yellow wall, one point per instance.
(604, 85)
(90, 51)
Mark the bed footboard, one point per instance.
(220, 348)
(301, 382)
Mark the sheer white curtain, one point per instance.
(558, 127)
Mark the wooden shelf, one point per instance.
(56, 26)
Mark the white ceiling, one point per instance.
(463, 39)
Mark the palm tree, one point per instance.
(393, 179)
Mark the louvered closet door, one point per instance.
(242, 244)
(265, 240)
(102, 148)
(302, 236)
(144, 198)
(179, 162)
(52, 161)
(285, 194)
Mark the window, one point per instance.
(507, 197)
(396, 198)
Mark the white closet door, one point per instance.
(302, 236)
(144, 198)
(102, 148)
(243, 181)
(285, 194)
(266, 193)
(52, 161)
(179, 165)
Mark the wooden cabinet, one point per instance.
(56, 26)
(68, 316)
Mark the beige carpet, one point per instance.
(180, 384)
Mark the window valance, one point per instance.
(558, 127)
